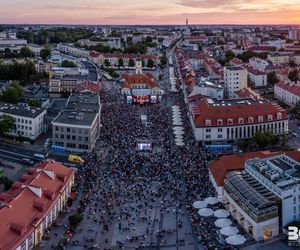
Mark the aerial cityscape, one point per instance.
(164, 125)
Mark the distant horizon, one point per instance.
(155, 12)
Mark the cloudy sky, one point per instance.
(150, 11)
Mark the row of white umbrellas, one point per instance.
(225, 224)
(177, 129)
(172, 79)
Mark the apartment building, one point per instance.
(219, 121)
(287, 92)
(12, 44)
(30, 121)
(69, 49)
(33, 203)
(77, 126)
(235, 78)
(278, 59)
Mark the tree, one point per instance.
(120, 62)
(25, 52)
(7, 122)
(75, 219)
(13, 94)
(131, 62)
(45, 53)
(272, 78)
(106, 63)
(163, 60)
(295, 111)
(34, 103)
(68, 64)
(7, 183)
(229, 55)
(293, 76)
(263, 139)
(150, 63)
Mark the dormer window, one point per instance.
(250, 120)
(220, 122)
(270, 117)
(241, 120)
(229, 121)
(279, 116)
(208, 122)
(260, 119)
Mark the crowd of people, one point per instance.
(122, 186)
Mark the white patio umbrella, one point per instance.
(211, 200)
(228, 231)
(180, 144)
(205, 212)
(178, 136)
(221, 213)
(223, 222)
(178, 128)
(199, 204)
(176, 116)
(237, 239)
(178, 132)
(175, 107)
(176, 111)
(177, 123)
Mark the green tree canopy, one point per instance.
(106, 63)
(7, 122)
(150, 63)
(13, 94)
(131, 63)
(293, 76)
(45, 53)
(68, 64)
(34, 103)
(25, 52)
(263, 139)
(120, 62)
(75, 219)
(272, 78)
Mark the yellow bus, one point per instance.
(76, 159)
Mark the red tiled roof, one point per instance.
(139, 78)
(290, 87)
(128, 56)
(253, 70)
(234, 112)
(88, 86)
(194, 38)
(219, 168)
(33, 198)
(247, 93)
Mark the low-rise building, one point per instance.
(287, 92)
(30, 121)
(218, 121)
(77, 126)
(35, 48)
(33, 203)
(12, 44)
(278, 59)
(63, 81)
(257, 77)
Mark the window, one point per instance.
(229, 121)
(220, 122)
(250, 119)
(279, 116)
(208, 130)
(220, 129)
(62, 136)
(56, 128)
(207, 122)
(241, 120)
(260, 119)
(73, 137)
(68, 137)
(68, 129)
(207, 136)
(270, 117)
(220, 136)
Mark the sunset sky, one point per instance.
(150, 11)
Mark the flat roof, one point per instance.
(234, 68)
(80, 109)
(20, 110)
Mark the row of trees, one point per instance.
(55, 35)
(23, 72)
(131, 63)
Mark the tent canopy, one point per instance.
(199, 204)
(211, 200)
(205, 212)
(236, 239)
(223, 222)
(228, 231)
(221, 213)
